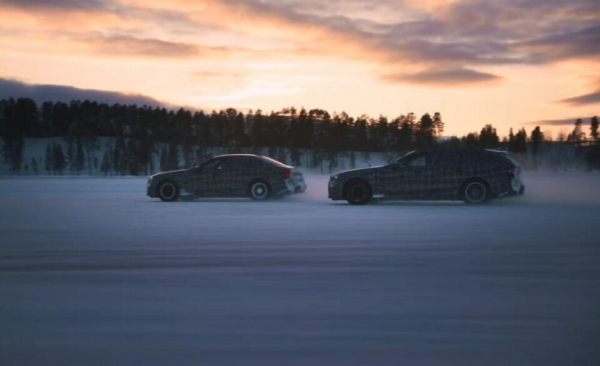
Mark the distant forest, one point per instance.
(146, 137)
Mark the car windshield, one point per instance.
(400, 159)
(209, 164)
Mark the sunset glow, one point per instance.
(508, 63)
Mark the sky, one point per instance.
(509, 63)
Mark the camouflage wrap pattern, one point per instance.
(230, 176)
(432, 174)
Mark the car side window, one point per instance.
(447, 159)
(239, 162)
(419, 161)
(226, 164)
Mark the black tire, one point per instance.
(358, 192)
(259, 190)
(168, 191)
(476, 192)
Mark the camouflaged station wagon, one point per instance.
(473, 175)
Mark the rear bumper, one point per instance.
(293, 185)
(513, 193)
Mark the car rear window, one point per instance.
(275, 162)
(512, 160)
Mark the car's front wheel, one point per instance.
(168, 191)
(475, 192)
(358, 192)
(259, 190)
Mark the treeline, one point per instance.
(145, 137)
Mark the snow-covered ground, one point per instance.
(93, 272)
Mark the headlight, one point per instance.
(334, 177)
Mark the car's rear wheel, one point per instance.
(259, 190)
(168, 191)
(358, 192)
(475, 192)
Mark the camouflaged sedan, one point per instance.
(241, 175)
(473, 175)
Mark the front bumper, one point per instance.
(150, 189)
(336, 190)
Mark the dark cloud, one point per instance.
(10, 88)
(124, 45)
(553, 122)
(444, 77)
(586, 99)
(461, 35)
(564, 45)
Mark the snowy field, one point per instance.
(93, 272)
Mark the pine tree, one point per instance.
(58, 159)
(70, 158)
(512, 142)
(49, 159)
(107, 160)
(438, 124)
(163, 159)
(78, 164)
(133, 157)
(537, 137)
(13, 153)
(406, 133)
(258, 129)
(577, 135)
(173, 157)
(120, 157)
(594, 128)
(281, 155)
(239, 135)
(471, 140)
(521, 141)
(34, 165)
(488, 138)
(425, 132)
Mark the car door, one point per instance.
(415, 176)
(202, 178)
(447, 174)
(227, 178)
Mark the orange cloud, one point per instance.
(444, 77)
(143, 47)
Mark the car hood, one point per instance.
(169, 174)
(359, 171)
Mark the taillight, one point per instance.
(287, 173)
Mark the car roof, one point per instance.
(460, 149)
(236, 155)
